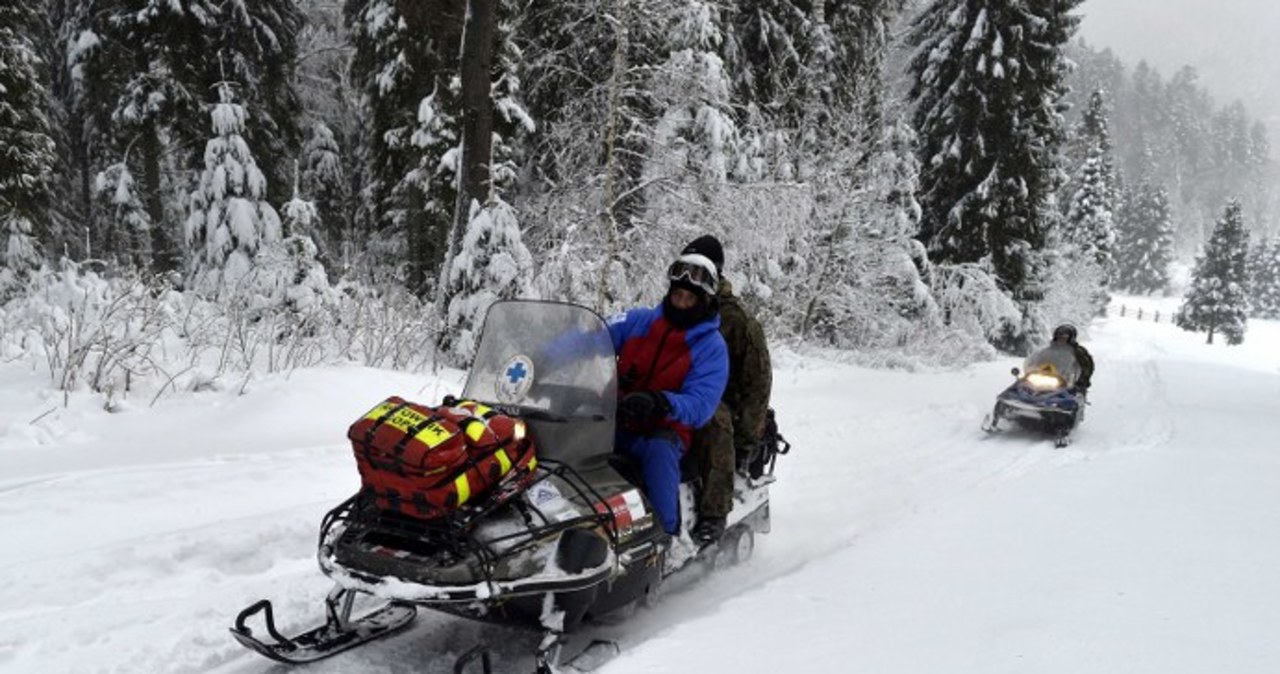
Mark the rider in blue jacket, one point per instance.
(672, 370)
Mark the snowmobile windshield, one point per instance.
(1061, 357)
(554, 365)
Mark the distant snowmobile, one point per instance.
(1042, 399)
(571, 540)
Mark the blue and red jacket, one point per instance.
(690, 367)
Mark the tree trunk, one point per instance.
(477, 129)
(610, 203)
(477, 103)
(163, 251)
(84, 169)
(1210, 336)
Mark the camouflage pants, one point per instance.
(714, 456)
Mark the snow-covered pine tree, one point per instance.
(63, 227)
(872, 293)
(1090, 231)
(1144, 246)
(406, 57)
(491, 264)
(1218, 298)
(146, 69)
(988, 80)
(230, 221)
(123, 226)
(695, 136)
(27, 150)
(1143, 108)
(765, 51)
(1259, 153)
(1187, 109)
(1264, 280)
(694, 139)
(768, 59)
(324, 185)
(1093, 135)
(512, 123)
(294, 265)
(141, 66)
(257, 46)
(332, 164)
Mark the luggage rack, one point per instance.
(454, 537)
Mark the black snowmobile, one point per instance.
(1042, 399)
(578, 541)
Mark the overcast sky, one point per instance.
(1234, 44)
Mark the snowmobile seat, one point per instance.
(629, 467)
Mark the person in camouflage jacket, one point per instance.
(738, 424)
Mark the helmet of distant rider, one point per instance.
(1065, 333)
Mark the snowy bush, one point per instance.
(129, 332)
(93, 332)
(1072, 295)
(971, 302)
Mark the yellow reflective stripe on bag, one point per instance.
(406, 419)
(382, 410)
(504, 461)
(475, 430)
(463, 486)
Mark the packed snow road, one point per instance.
(905, 539)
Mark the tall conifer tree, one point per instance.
(988, 78)
(1217, 301)
(27, 151)
(1089, 224)
(1144, 246)
(1264, 280)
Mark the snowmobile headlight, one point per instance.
(1043, 382)
(517, 431)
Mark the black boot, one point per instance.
(708, 530)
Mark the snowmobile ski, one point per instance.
(596, 655)
(339, 633)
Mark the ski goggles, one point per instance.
(695, 270)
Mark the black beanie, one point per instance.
(709, 247)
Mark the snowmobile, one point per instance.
(1042, 399)
(578, 541)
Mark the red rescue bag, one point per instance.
(426, 462)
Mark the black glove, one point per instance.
(643, 408)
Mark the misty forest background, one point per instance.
(193, 190)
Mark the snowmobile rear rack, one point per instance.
(337, 634)
(456, 536)
(481, 653)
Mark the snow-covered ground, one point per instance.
(905, 539)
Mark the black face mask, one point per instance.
(687, 318)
